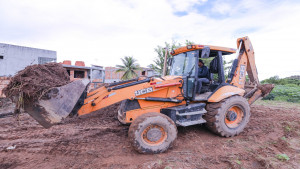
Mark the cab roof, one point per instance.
(213, 49)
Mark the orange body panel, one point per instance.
(224, 92)
(167, 88)
(151, 106)
(133, 114)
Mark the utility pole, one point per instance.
(165, 62)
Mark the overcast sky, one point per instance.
(103, 31)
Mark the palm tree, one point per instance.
(129, 67)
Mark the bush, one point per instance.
(277, 81)
(269, 97)
(289, 93)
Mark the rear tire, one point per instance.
(152, 133)
(229, 117)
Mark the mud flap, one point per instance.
(56, 104)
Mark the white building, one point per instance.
(15, 58)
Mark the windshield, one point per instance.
(183, 64)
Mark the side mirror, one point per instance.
(205, 52)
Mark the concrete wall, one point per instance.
(97, 74)
(111, 75)
(16, 58)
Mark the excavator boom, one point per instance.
(245, 63)
(152, 93)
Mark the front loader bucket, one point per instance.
(56, 104)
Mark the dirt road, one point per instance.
(98, 140)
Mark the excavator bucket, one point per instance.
(57, 103)
(262, 91)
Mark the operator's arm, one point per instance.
(203, 71)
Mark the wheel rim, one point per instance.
(154, 135)
(234, 116)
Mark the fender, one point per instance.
(225, 92)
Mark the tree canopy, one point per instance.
(158, 64)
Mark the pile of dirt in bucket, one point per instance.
(32, 82)
(266, 88)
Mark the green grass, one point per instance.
(238, 162)
(288, 93)
(282, 157)
(283, 138)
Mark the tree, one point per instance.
(129, 67)
(187, 42)
(159, 61)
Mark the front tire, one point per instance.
(152, 133)
(229, 117)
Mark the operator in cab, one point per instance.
(202, 75)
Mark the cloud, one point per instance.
(186, 5)
(221, 7)
(101, 32)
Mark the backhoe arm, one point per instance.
(246, 63)
(106, 96)
(251, 66)
(155, 91)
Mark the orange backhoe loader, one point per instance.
(155, 106)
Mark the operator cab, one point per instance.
(185, 63)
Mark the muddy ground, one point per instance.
(98, 140)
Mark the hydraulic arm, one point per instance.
(148, 92)
(245, 63)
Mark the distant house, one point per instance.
(94, 73)
(15, 58)
(111, 75)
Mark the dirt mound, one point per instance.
(35, 80)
